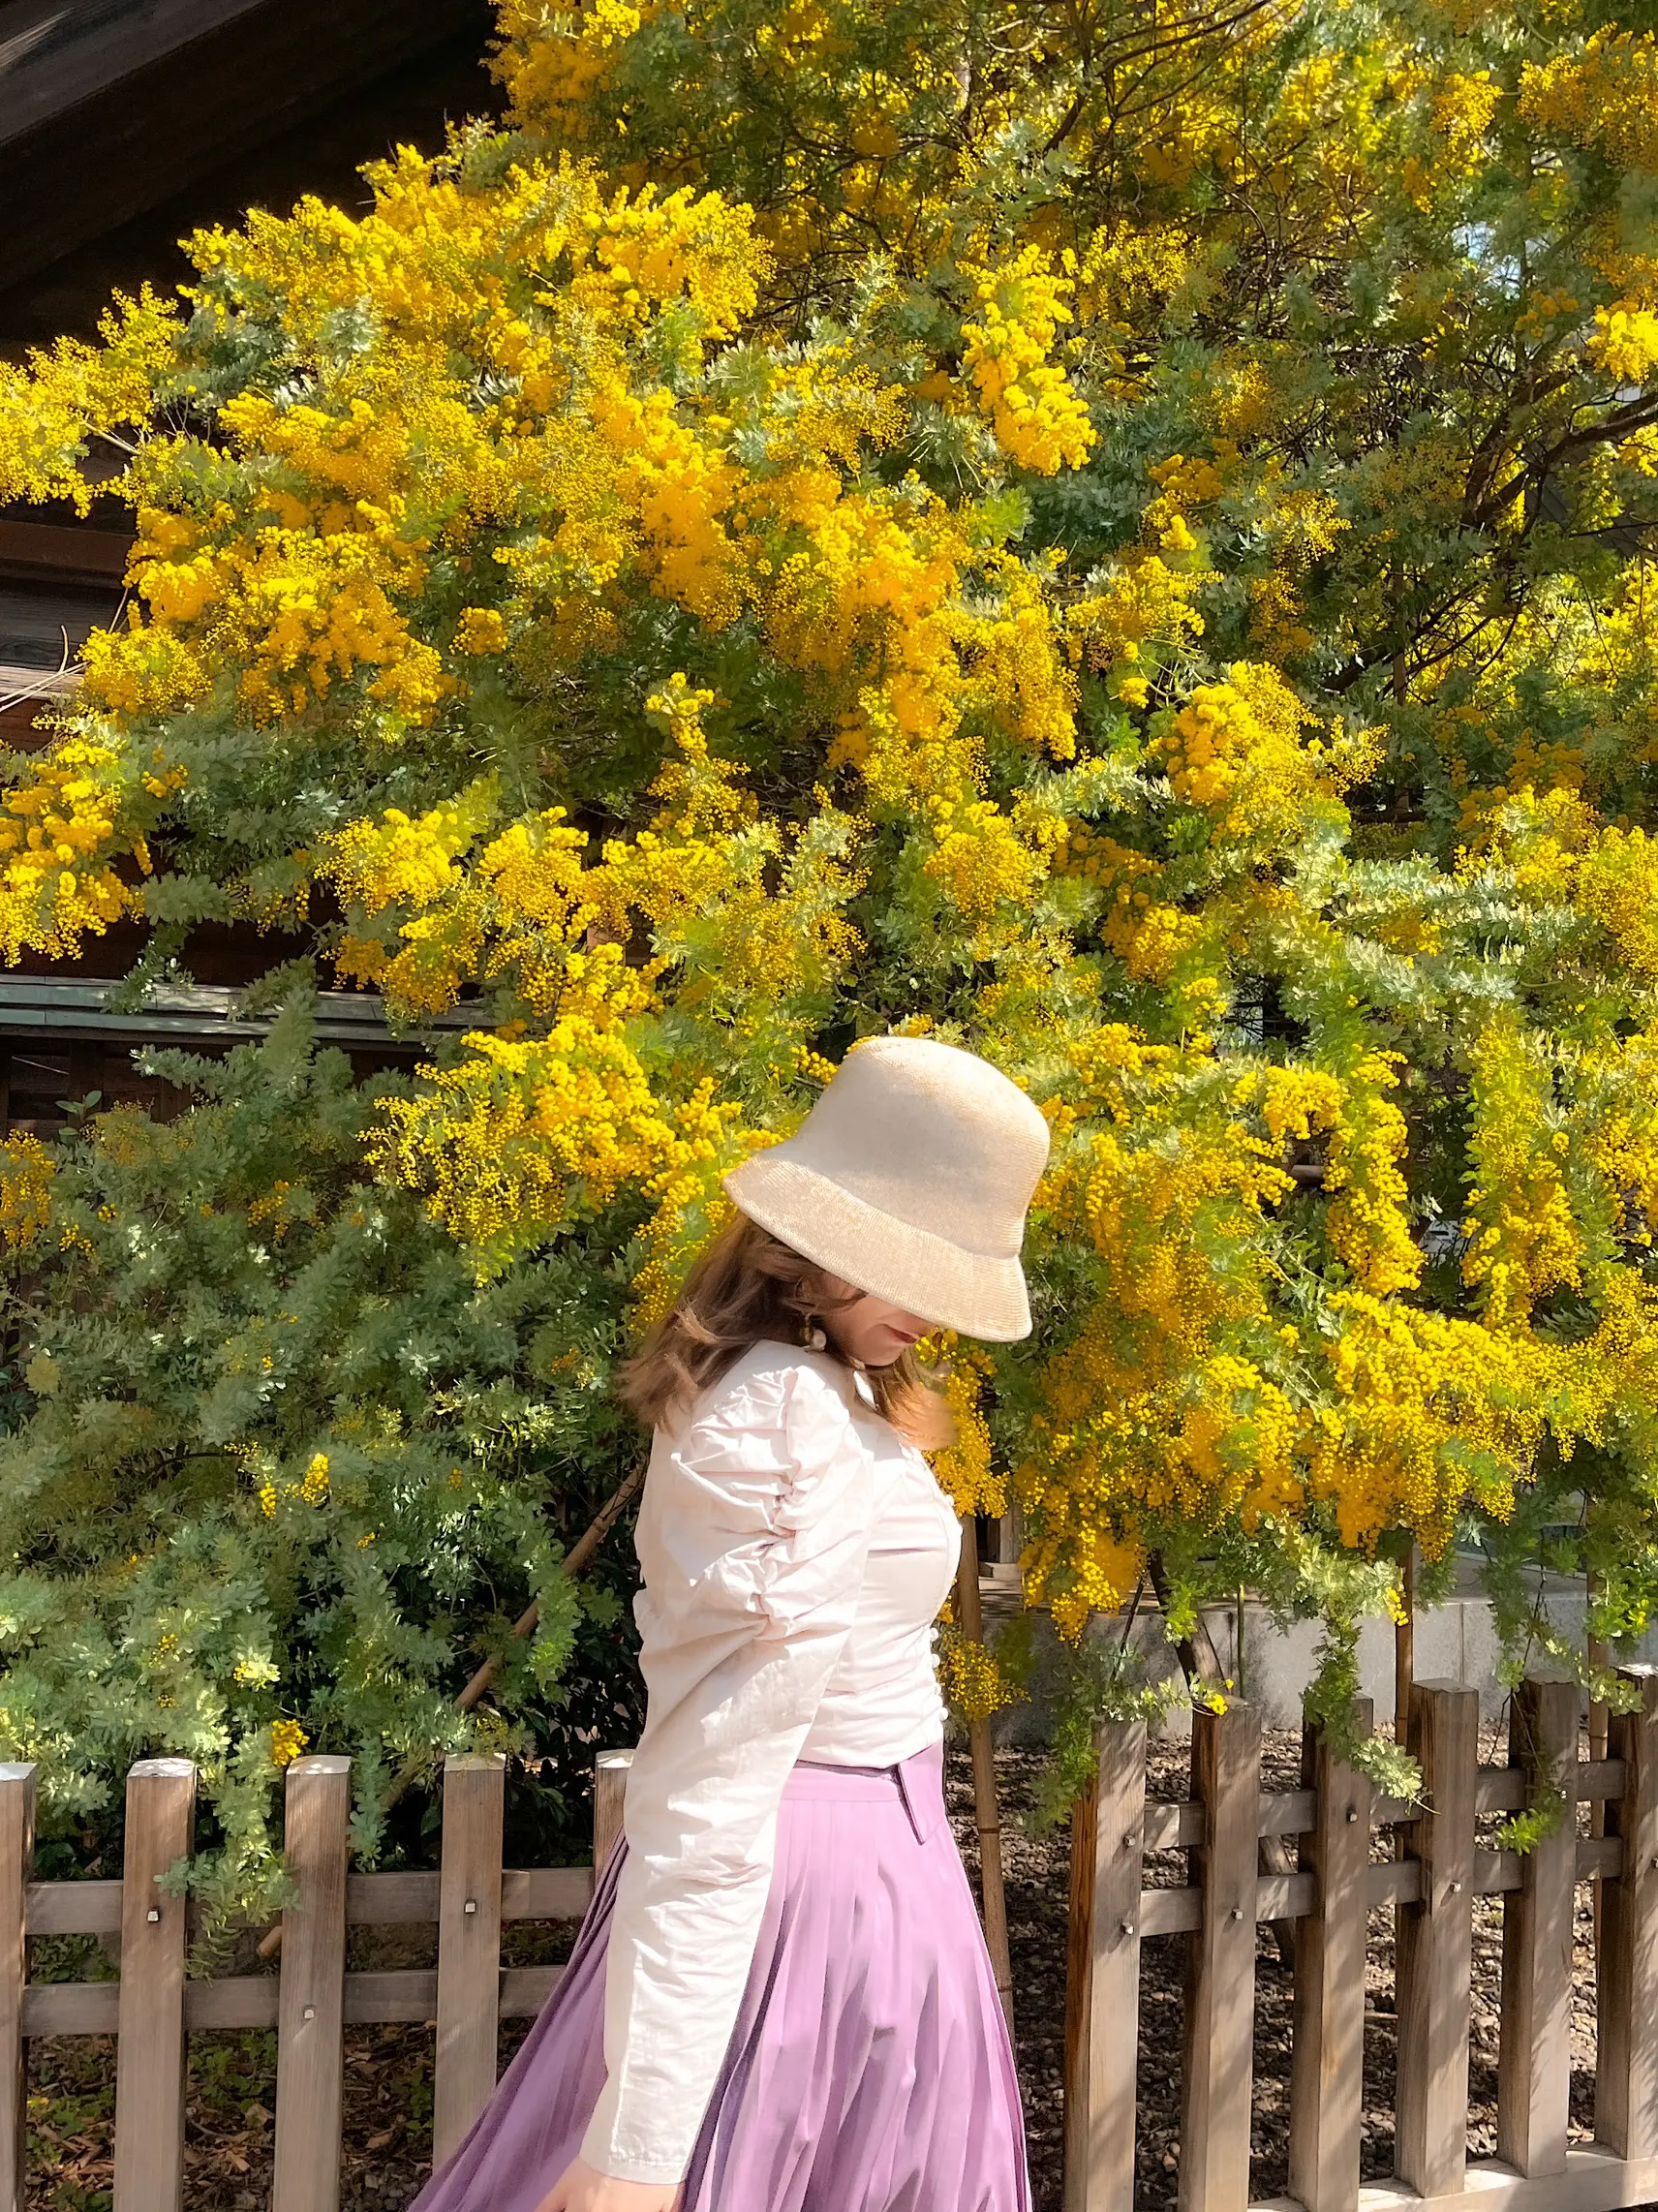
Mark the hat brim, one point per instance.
(975, 1293)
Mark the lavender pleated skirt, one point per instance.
(869, 2069)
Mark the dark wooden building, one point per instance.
(124, 125)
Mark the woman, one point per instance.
(780, 2000)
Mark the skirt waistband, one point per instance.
(917, 1781)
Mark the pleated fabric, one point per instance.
(869, 2069)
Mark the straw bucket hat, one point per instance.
(910, 1178)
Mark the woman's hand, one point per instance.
(581, 2188)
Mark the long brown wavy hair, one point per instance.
(748, 1287)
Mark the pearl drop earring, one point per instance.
(816, 1340)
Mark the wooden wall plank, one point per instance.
(17, 1870)
(309, 2053)
(1534, 2070)
(149, 2053)
(469, 1947)
(1435, 1945)
(1102, 1979)
(1326, 2065)
(1626, 2076)
(609, 1795)
(1220, 1964)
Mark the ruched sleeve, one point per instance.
(753, 1546)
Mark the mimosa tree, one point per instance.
(1123, 542)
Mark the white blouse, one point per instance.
(795, 1552)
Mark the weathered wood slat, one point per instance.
(527, 1893)
(74, 2008)
(609, 1795)
(525, 1989)
(411, 1993)
(1220, 1972)
(309, 2054)
(240, 2000)
(1327, 2061)
(545, 1892)
(1592, 2182)
(149, 2054)
(1598, 1858)
(1534, 2066)
(1435, 1945)
(16, 1865)
(1289, 1812)
(1626, 2076)
(1102, 1979)
(1393, 1812)
(74, 1908)
(469, 1946)
(390, 1900)
(1599, 1778)
(1499, 1790)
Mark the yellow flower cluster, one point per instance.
(57, 880)
(1523, 1240)
(503, 1145)
(1602, 92)
(971, 1678)
(287, 1739)
(1039, 419)
(964, 1466)
(26, 1170)
(1625, 343)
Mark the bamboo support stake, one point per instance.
(1327, 2066)
(1534, 2065)
(311, 2005)
(16, 1872)
(574, 1562)
(984, 1782)
(149, 2049)
(1404, 1649)
(469, 1946)
(1102, 1974)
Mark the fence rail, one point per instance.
(1438, 1871)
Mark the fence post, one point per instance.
(469, 1946)
(1220, 1964)
(1434, 1982)
(1327, 2066)
(609, 1793)
(149, 2049)
(1534, 2063)
(1626, 2076)
(1102, 1974)
(17, 1871)
(311, 2003)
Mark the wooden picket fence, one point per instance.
(153, 2006)
(1431, 1879)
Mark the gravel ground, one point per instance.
(388, 2099)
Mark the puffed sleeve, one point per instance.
(759, 1534)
